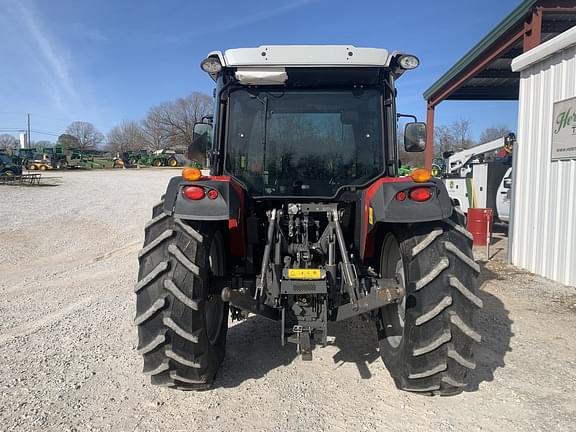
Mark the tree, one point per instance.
(68, 141)
(177, 119)
(126, 136)
(43, 144)
(155, 133)
(461, 130)
(453, 137)
(88, 136)
(8, 141)
(444, 139)
(494, 132)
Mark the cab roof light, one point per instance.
(211, 65)
(408, 62)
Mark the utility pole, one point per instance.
(29, 138)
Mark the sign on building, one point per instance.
(564, 129)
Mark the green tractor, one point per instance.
(7, 166)
(170, 158)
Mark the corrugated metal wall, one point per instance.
(544, 210)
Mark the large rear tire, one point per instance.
(427, 339)
(182, 325)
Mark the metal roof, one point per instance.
(496, 81)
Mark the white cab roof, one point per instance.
(304, 56)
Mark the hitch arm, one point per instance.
(243, 301)
(261, 281)
(348, 272)
(387, 291)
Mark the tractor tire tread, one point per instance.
(170, 296)
(435, 357)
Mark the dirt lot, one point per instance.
(67, 344)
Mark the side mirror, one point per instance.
(201, 142)
(415, 137)
(202, 130)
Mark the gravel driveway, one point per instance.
(68, 263)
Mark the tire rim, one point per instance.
(214, 307)
(393, 315)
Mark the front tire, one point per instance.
(182, 325)
(427, 339)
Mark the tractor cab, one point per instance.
(308, 121)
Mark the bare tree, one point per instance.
(154, 131)
(444, 139)
(8, 141)
(126, 136)
(461, 130)
(494, 132)
(177, 118)
(88, 136)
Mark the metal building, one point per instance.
(543, 230)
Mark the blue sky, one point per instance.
(108, 61)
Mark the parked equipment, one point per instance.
(166, 157)
(305, 220)
(474, 182)
(8, 168)
(40, 162)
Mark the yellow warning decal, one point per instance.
(307, 274)
(370, 215)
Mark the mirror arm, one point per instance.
(413, 117)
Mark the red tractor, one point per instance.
(304, 219)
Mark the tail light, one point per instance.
(194, 193)
(401, 196)
(420, 194)
(212, 194)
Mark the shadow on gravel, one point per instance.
(357, 341)
(495, 327)
(253, 348)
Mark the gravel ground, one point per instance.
(67, 344)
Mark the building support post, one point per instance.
(533, 30)
(429, 152)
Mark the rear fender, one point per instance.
(381, 206)
(228, 206)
